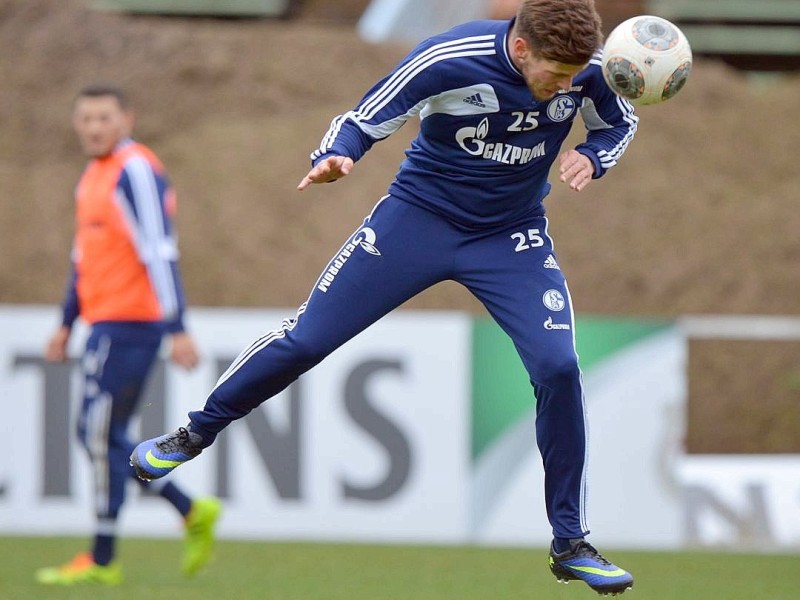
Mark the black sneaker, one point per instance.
(157, 457)
(582, 562)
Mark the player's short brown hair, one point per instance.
(101, 89)
(565, 31)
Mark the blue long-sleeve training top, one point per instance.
(485, 145)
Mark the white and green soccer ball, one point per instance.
(646, 59)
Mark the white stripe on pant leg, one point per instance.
(101, 355)
(98, 424)
(584, 472)
(260, 344)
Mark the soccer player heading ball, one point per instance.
(496, 100)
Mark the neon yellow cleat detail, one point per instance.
(81, 569)
(199, 540)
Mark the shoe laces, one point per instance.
(584, 549)
(179, 441)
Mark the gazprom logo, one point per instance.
(365, 239)
(368, 242)
(471, 139)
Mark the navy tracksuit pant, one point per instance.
(118, 357)
(400, 250)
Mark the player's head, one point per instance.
(102, 118)
(552, 41)
(565, 31)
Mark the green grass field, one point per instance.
(292, 571)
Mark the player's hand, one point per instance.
(183, 351)
(56, 349)
(330, 169)
(576, 169)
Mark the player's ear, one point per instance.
(520, 48)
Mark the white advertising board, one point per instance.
(371, 444)
(377, 444)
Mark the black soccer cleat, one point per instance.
(583, 563)
(157, 457)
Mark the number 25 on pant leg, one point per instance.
(527, 241)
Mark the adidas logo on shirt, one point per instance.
(550, 262)
(476, 100)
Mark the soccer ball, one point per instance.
(646, 60)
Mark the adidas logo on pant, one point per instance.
(550, 263)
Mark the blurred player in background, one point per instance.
(496, 101)
(125, 284)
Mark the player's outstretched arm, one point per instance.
(327, 170)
